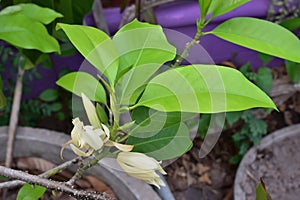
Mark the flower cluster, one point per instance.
(89, 138)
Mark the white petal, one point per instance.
(63, 148)
(122, 147)
(149, 176)
(79, 152)
(92, 138)
(77, 131)
(106, 130)
(139, 160)
(90, 111)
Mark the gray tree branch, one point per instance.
(52, 185)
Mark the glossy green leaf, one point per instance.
(143, 49)
(132, 83)
(82, 82)
(30, 192)
(72, 10)
(260, 35)
(150, 121)
(158, 134)
(204, 7)
(291, 24)
(49, 95)
(2, 97)
(293, 70)
(203, 89)
(23, 32)
(220, 7)
(142, 44)
(96, 46)
(165, 144)
(34, 12)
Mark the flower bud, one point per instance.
(141, 166)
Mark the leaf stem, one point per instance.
(189, 45)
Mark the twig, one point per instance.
(154, 4)
(47, 174)
(74, 178)
(98, 15)
(14, 117)
(128, 16)
(94, 161)
(52, 185)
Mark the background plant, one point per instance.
(51, 101)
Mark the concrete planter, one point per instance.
(276, 159)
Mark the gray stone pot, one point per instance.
(46, 144)
(277, 160)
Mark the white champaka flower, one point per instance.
(87, 139)
(141, 166)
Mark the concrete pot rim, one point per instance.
(46, 144)
(271, 139)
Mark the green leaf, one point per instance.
(132, 84)
(264, 79)
(23, 32)
(101, 114)
(142, 44)
(55, 107)
(168, 143)
(149, 120)
(157, 133)
(34, 12)
(73, 10)
(204, 7)
(291, 24)
(96, 46)
(257, 127)
(265, 58)
(220, 7)
(233, 117)
(29, 192)
(204, 123)
(60, 116)
(203, 89)
(261, 192)
(144, 49)
(260, 35)
(293, 70)
(2, 97)
(49, 95)
(82, 82)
